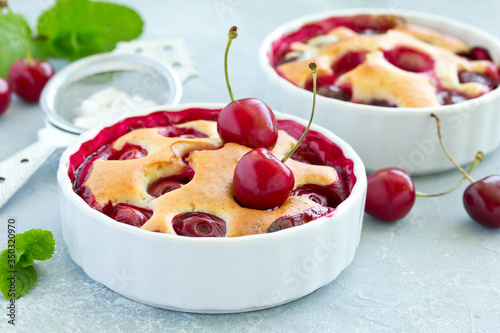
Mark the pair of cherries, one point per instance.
(391, 193)
(260, 181)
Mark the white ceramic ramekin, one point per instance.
(404, 137)
(211, 275)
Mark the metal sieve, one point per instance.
(131, 74)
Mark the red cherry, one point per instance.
(181, 132)
(27, 80)
(163, 186)
(132, 154)
(491, 80)
(335, 92)
(390, 194)
(409, 59)
(479, 53)
(198, 224)
(381, 102)
(448, 97)
(322, 81)
(476, 53)
(348, 62)
(171, 183)
(294, 220)
(261, 181)
(5, 93)
(312, 193)
(248, 122)
(130, 215)
(328, 196)
(129, 152)
(482, 201)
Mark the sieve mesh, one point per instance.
(132, 74)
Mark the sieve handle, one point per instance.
(15, 170)
(171, 51)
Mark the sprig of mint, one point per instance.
(78, 28)
(71, 29)
(17, 274)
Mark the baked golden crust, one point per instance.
(127, 181)
(377, 78)
(433, 37)
(210, 190)
(373, 80)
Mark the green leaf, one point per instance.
(17, 274)
(34, 244)
(11, 40)
(15, 280)
(78, 28)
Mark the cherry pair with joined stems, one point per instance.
(260, 181)
(391, 192)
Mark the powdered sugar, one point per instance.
(108, 103)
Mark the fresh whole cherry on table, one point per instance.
(28, 77)
(481, 200)
(391, 193)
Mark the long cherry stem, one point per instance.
(232, 34)
(438, 122)
(479, 158)
(314, 70)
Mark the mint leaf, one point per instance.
(15, 280)
(34, 244)
(11, 41)
(78, 28)
(17, 274)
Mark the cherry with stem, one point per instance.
(260, 180)
(232, 34)
(481, 199)
(314, 69)
(249, 122)
(391, 192)
(479, 158)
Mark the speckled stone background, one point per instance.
(434, 271)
